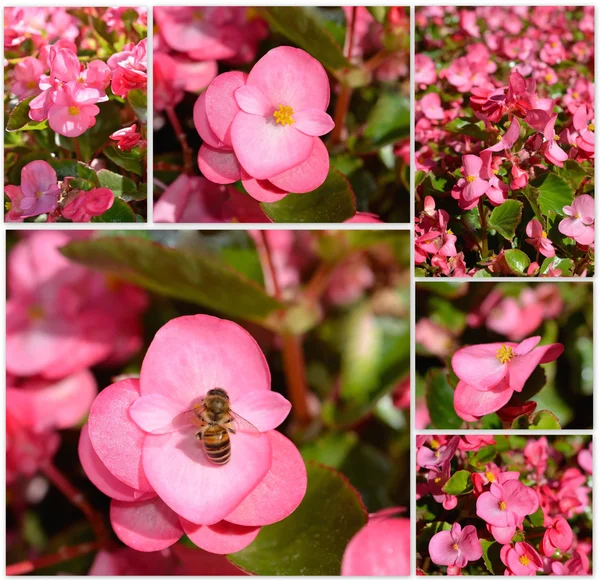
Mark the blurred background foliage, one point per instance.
(356, 355)
(448, 309)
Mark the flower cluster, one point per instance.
(61, 320)
(527, 501)
(151, 465)
(505, 139)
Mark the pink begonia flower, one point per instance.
(35, 410)
(263, 128)
(430, 106)
(127, 138)
(349, 280)
(74, 110)
(538, 238)
(436, 479)
(536, 455)
(585, 459)
(521, 559)
(425, 74)
(61, 317)
(520, 177)
(578, 565)
(455, 547)
(471, 187)
(579, 223)
(14, 212)
(509, 138)
(558, 536)
(26, 76)
(475, 442)
(433, 337)
(505, 506)
(88, 204)
(38, 192)
(197, 200)
(543, 122)
(490, 373)
(437, 455)
(129, 69)
(583, 136)
(154, 484)
(381, 548)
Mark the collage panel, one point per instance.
(504, 355)
(208, 402)
(504, 505)
(282, 114)
(504, 141)
(75, 114)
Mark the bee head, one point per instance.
(217, 393)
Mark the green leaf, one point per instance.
(119, 212)
(311, 541)
(123, 160)
(378, 12)
(554, 193)
(302, 25)
(73, 168)
(517, 261)
(572, 172)
(491, 557)
(459, 484)
(544, 420)
(18, 119)
(184, 275)
(440, 401)
(484, 456)
(470, 127)
(332, 202)
(138, 101)
(506, 217)
(388, 121)
(532, 195)
(121, 186)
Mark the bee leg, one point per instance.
(199, 435)
(231, 430)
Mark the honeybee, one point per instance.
(215, 420)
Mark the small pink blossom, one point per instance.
(538, 238)
(127, 138)
(558, 536)
(129, 69)
(455, 547)
(74, 110)
(88, 204)
(424, 70)
(579, 223)
(430, 106)
(521, 559)
(38, 192)
(26, 77)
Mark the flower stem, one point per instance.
(269, 273)
(484, 241)
(294, 368)
(188, 166)
(64, 553)
(77, 149)
(162, 166)
(78, 500)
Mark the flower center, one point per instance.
(39, 194)
(576, 95)
(502, 505)
(471, 178)
(437, 479)
(8, 206)
(556, 137)
(450, 232)
(548, 77)
(113, 283)
(455, 547)
(498, 137)
(544, 234)
(73, 111)
(591, 127)
(524, 560)
(504, 354)
(435, 444)
(490, 476)
(35, 312)
(283, 115)
(80, 80)
(31, 85)
(554, 45)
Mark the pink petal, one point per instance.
(170, 205)
(262, 190)
(99, 475)
(469, 544)
(511, 136)
(572, 227)
(197, 75)
(478, 366)
(527, 345)
(475, 190)
(488, 509)
(192, 354)
(146, 526)
(265, 149)
(519, 498)
(220, 538)
(534, 229)
(584, 206)
(266, 504)
(472, 164)
(218, 166)
(197, 489)
(203, 126)
(154, 413)
(503, 535)
(115, 437)
(313, 122)
(441, 550)
(307, 176)
(221, 106)
(291, 77)
(266, 410)
(381, 548)
(37, 176)
(521, 367)
(470, 402)
(252, 101)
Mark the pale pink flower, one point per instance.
(26, 76)
(579, 223)
(455, 547)
(538, 238)
(38, 192)
(424, 70)
(430, 106)
(74, 110)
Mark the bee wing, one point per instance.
(189, 417)
(240, 424)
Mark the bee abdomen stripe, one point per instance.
(218, 452)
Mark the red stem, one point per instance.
(188, 166)
(294, 368)
(269, 273)
(64, 553)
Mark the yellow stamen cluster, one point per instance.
(435, 444)
(544, 234)
(35, 312)
(471, 178)
(8, 206)
(548, 77)
(283, 115)
(437, 479)
(39, 194)
(450, 232)
(556, 137)
(524, 560)
(455, 547)
(502, 505)
(591, 127)
(73, 111)
(504, 354)
(490, 476)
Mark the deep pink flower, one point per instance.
(475, 442)
(73, 110)
(455, 547)
(509, 138)
(521, 559)
(583, 136)
(381, 548)
(558, 536)
(577, 565)
(579, 223)
(438, 454)
(38, 192)
(26, 76)
(471, 187)
(87, 204)
(129, 69)
(155, 483)
(127, 138)
(520, 177)
(263, 128)
(538, 238)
